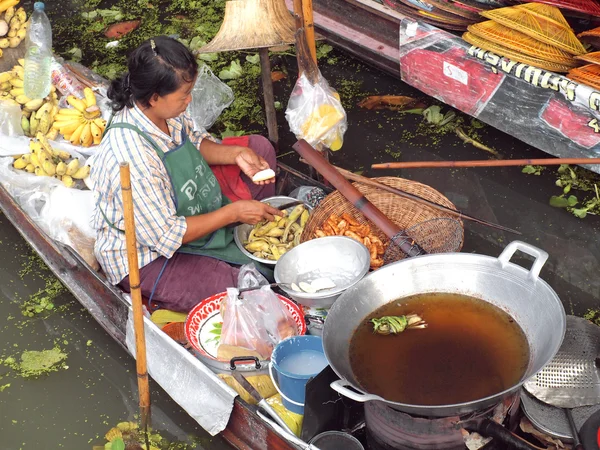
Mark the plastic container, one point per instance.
(38, 54)
(295, 361)
(336, 440)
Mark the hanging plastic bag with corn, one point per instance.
(315, 113)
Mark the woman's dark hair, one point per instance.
(158, 66)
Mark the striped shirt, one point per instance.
(159, 230)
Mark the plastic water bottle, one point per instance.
(38, 54)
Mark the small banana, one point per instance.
(5, 76)
(34, 160)
(44, 125)
(34, 105)
(19, 164)
(5, 86)
(45, 109)
(9, 14)
(26, 157)
(81, 173)
(61, 154)
(21, 62)
(86, 137)
(16, 82)
(40, 172)
(33, 125)
(21, 15)
(4, 43)
(76, 103)
(96, 133)
(90, 97)
(25, 124)
(13, 41)
(101, 123)
(68, 112)
(15, 92)
(52, 134)
(72, 167)
(68, 181)
(22, 99)
(49, 167)
(61, 168)
(18, 72)
(75, 137)
(30, 168)
(21, 33)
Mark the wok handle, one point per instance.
(489, 428)
(540, 257)
(340, 387)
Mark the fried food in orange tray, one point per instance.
(348, 226)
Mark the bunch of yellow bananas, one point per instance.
(83, 124)
(13, 27)
(38, 114)
(46, 161)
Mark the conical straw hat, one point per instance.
(520, 42)
(538, 9)
(589, 75)
(538, 26)
(583, 6)
(511, 54)
(252, 24)
(591, 37)
(593, 58)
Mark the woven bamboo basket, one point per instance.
(403, 212)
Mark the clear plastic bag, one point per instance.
(10, 119)
(210, 97)
(315, 113)
(242, 333)
(254, 324)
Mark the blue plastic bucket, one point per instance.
(294, 361)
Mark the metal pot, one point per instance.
(519, 292)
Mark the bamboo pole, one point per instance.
(384, 187)
(267, 82)
(136, 297)
(309, 28)
(486, 163)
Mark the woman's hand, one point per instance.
(250, 163)
(253, 211)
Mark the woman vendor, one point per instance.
(186, 250)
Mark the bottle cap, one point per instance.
(39, 6)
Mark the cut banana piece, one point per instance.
(321, 284)
(307, 287)
(263, 175)
(296, 288)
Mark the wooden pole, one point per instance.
(490, 163)
(136, 297)
(267, 82)
(299, 19)
(309, 28)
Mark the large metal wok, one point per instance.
(519, 292)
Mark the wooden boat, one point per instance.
(108, 306)
(543, 109)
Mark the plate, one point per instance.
(203, 324)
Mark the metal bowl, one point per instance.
(241, 232)
(343, 260)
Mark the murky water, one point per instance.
(74, 407)
(502, 195)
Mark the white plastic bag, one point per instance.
(10, 119)
(315, 113)
(210, 97)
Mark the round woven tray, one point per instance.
(403, 212)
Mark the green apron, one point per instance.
(197, 191)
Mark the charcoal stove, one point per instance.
(390, 429)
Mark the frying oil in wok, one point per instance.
(469, 350)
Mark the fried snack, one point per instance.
(348, 226)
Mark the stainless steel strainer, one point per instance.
(572, 378)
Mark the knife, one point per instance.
(262, 403)
(281, 208)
